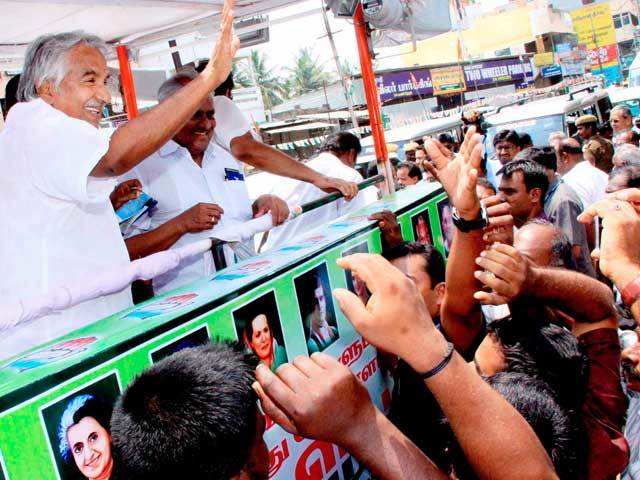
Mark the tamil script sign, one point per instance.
(408, 83)
(395, 85)
(594, 26)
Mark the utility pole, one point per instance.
(347, 96)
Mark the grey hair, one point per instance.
(173, 83)
(46, 60)
(627, 154)
(626, 111)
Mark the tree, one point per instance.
(306, 74)
(240, 78)
(271, 86)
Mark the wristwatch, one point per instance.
(466, 226)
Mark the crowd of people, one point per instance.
(506, 358)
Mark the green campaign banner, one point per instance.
(287, 290)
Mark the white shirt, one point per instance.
(172, 178)
(58, 223)
(296, 193)
(587, 181)
(230, 122)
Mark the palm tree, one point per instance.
(271, 86)
(306, 74)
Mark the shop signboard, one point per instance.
(594, 27)
(448, 80)
(395, 85)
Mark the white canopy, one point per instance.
(134, 22)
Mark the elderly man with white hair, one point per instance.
(59, 171)
(621, 121)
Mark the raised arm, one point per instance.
(496, 439)
(140, 137)
(460, 313)
(509, 275)
(320, 398)
(619, 252)
(264, 157)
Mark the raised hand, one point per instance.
(226, 46)
(500, 228)
(389, 227)
(619, 253)
(505, 273)
(458, 175)
(395, 318)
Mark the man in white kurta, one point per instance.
(586, 180)
(336, 161)
(58, 222)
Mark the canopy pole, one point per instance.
(128, 87)
(373, 103)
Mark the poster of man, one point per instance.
(316, 308)
(354, 284)
(78, 431)
(258, 328)
(446, 224)
(422, 228)
(192, 339)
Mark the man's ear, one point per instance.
(46, 91)
(536, 195)
(440, 289)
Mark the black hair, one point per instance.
(434, 261)
(559, 429)
(413, 170)
(630, 172)
(191, 415)
(604, 129)
(225, 86)
(342, 142)
(561, 248)
(11, 92)
(567, 147)
(532, 343)
(545, 156)
(510, 136)
(483, 182)
(533, 173)
(445, 138)
(525, 140)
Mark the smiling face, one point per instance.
(83, 92)
(505, 151)
(197, 133)
(403, 178)
(261, 342)
(91, 448)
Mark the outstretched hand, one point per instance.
(395, 319)
(301, 398)
(458, 175)
(619, 253)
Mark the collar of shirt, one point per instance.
(552, 189)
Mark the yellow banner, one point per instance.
(448, 80)
(543, 59)
(594, 25)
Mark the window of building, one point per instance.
(617, 22)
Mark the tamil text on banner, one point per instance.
(395, 85)
(594, 26)
(448, 80)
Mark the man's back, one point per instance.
(296, 193)
(562, 207)
(59, 224)
(587, 181)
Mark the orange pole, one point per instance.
(128, 87)
(371, 95)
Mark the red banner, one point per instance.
(608, 56)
